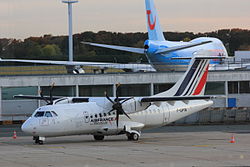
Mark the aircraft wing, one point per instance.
(134, 67)
(142, 51)
(175, 98)
(35, 97)
(180, 47)
(70, 63)
(74, 99)
(122, 48)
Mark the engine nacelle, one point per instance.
(78, 70)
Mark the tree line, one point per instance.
(49, 47)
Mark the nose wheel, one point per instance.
(39, 140)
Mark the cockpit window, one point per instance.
(54, 114)
(39, 114)
(48, 114)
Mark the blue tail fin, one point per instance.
(153, 24)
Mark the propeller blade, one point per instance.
(117, 91)
(41, 94)
(126, 100)
(111, 110)
(109, 98)
(117, 119)
(50, 92)
(125, 113)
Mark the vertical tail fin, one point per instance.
(194, 80)
(153, 24)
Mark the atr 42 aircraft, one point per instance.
(103, 116)
(162, 54)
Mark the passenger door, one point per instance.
(166, 113)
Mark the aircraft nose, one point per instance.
(27, 127)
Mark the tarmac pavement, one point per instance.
(172, 146)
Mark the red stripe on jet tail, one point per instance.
(201, 83)
(151, 26)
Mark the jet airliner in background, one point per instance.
(163, 54)
(104, 116)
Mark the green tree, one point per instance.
(51, 51)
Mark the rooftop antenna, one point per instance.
(70, 2)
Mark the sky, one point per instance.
(21, 19)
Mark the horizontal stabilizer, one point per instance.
(181, 47)
(122, 48)
(175, 98)
(200, 58)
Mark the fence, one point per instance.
(218, 115)
(105, 68)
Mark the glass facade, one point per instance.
(8, 93)
(60, 90)
(212, 88)
(158, 88)
(244, 87)
(233, 87)
(215, 88)
(95, 90)
(135, 90)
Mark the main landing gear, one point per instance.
(39, 140)
(98, 137)
(133, 136)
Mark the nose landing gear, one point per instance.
(39, 140)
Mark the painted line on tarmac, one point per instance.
(201, 145)
(43, 146)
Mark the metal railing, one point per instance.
(14, 117)
(109, 68)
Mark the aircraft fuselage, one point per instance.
(165, 62)
(91, 118)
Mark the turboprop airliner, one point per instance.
(161, 53)
(104, 116)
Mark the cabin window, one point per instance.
(104, 114)
(48, 114)
(39, 114)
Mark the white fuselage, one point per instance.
(92, 117)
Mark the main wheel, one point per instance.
(40, 142)
(36, 139)
(98, 137)
(129, 137)
(134, 136)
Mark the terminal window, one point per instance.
(215, 88)
(245, 87)
(8, 93)
(233, 87)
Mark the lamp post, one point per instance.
(70, 2)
